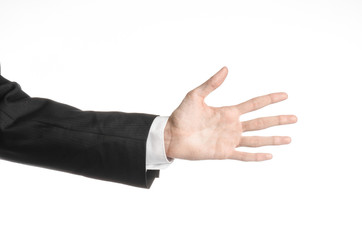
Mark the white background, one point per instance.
(144, 56)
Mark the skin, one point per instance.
(196, 131)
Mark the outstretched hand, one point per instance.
(196, 131)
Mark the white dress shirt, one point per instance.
(155, 146)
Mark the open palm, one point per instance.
(196, 131)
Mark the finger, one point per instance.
(244, 156)
(262, 101)
(265, 122)
(257, 141)
(214, 82)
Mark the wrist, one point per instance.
(167, 138)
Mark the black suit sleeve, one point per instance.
(108, 146)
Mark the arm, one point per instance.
(111, 145)
(103, 145)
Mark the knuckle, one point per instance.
(213, 83)
(254, 103)
(259, 123)
(191, 94)
(281, 120)
(259, 157)
(241, 156)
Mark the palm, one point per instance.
(204, 128)
(202, 132)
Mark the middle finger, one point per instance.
(265, 122)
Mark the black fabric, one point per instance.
(41, 132)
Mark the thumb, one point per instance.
(214, 82)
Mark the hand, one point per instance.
(196, 131)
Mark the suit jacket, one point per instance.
(108, 146)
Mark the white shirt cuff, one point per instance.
(155, 147)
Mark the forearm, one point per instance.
(103, 145)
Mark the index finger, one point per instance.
(260, 102)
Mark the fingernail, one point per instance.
(269, 156)
(287, 140)
(283, 95)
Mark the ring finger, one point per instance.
(257, 141)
